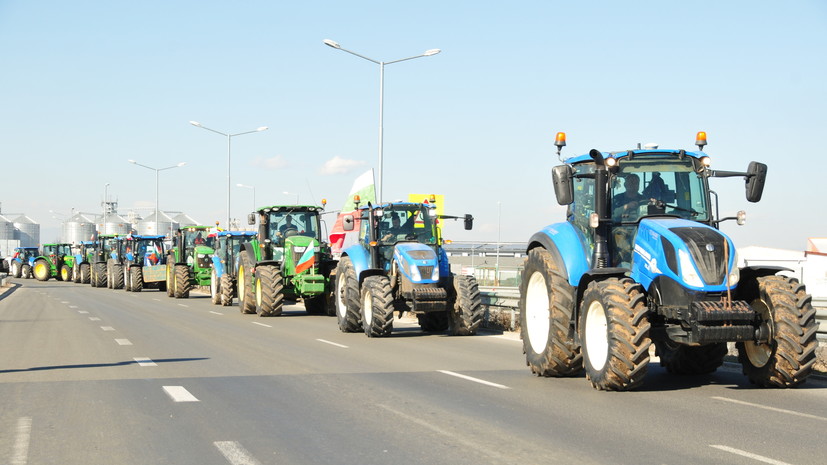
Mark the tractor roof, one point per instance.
(404, 205)
(196, 227)
(25, 248)
(148, 237)
(290, 208)
(633, 153)
(236, 233)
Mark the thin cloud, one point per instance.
(271, 164)
(339, 165)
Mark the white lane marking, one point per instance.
(746, 454)
(215, 313)
(64, 301)
(235, 453)
(123, 342)
(107, 328)
(179, 394)
(83, 312)
(773, 409)
(157, 300)
(20, 456)
(261, 324)
(182, 305)
(94, 318)
(332, 343)
(145, 362)
(476, 380)
(73, 306)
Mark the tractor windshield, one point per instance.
(196, 237)
(293, 223)
(659, 185)
(406, 223)
(149, 251)
(64, 249)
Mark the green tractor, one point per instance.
(81, 263)
(105, 250)
(189, 261)
(56, 261)
(289, 259)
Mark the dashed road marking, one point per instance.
(773, 409)
(216, 313)
(476, 380)
(83, 312)
(94, 318)
(73, 306)
(20, 456)
(182, 305)
(750, 455)
(332, 343)
(107, 328)
(262, 324)
(235, 453)
(123, 342)
(179, 394)
(145, 362)
(64, 301)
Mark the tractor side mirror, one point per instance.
(251, 218)
(469, 222)
(347, 222)
(756, 176)
(561, 176)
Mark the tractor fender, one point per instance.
(567, 247)
(359, 258)
(249, 252)
(747, 288)
(217, 266)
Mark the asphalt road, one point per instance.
(96, 376)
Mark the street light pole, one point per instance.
(157, 170)
(427, 53)
(254, 193)
(497, 273)
(229, 148)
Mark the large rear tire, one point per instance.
(42, 271)
(614, 331)
(787, 360)
(347, 297)
(215, 288)
(246, 287)
(170, 279)
(182, 282)
(682, 359)
(227, 287)
(377, 306)
(65, 273)
(269, 291)
(16, 269)
(467, 312)
(546, 325)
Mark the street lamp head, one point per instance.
(331, 43)
(181, 164)
(132, 161)
(263, 128)
(195, 123)
(432, 51)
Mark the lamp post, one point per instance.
(290, 193)
(254, 193)
(497, 273)
(157, 170)
(229, 139)
(427, 53)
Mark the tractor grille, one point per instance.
(425, 272)
(707, 249)
(205, 262)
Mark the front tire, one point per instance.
(215, 288)
(136, 278)
(85, 273)
(614, 331)
(347, 297)
(65, 273)
(466, 316)
(182, 281)
(269, 291)
(26, 271)
(117, 276)
(227, 286)
(377, 306)
(546, 325)
(16, 271)
(170, 279)
(787, 359)
(246, 289)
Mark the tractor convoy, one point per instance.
(638, 267)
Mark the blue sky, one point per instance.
(87, 85)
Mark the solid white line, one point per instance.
(332, 343)
(476, 380)
(773, 409)
(94, 318)
(123, 342)
(107, 328)
(261, 324)
(749, 455)
(145, 362)
(179, 394)
(215, 313)
(235, 453)
(20, 456)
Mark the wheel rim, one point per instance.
(538, 321)
(758, 354)
(340, 302)
(367, 305)
(597, 335)
(40, 270)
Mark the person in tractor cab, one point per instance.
(198, 240)
(394, 231)
(288, 226)
(626, 204)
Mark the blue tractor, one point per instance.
(225, 262)
(640, 260)
(22, 261)
(84, 257)
(399, 265)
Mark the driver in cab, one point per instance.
(626, 204)
(394, 231)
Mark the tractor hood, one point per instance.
(696, 255)
(417, 262)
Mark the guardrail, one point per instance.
(501, 308)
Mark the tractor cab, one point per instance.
(390, 226)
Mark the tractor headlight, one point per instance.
(688, 272)
(735, 273)
(415, 276)
(435, 274)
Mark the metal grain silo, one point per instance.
(165, 224)
(6, 229)
(78, 228)
(115, 224)
(27, 231)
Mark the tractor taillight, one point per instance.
(700, 140)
